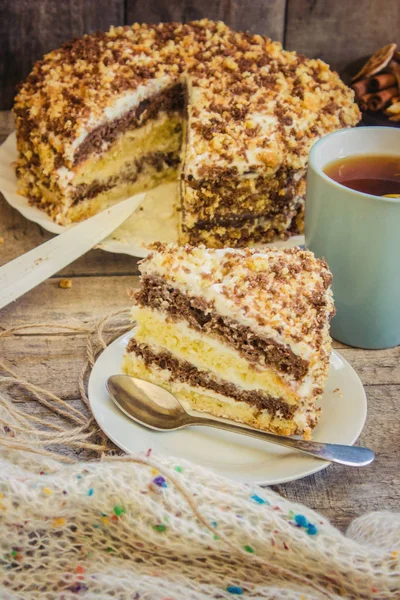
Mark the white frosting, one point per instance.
(188, 278)
(65, 176)
(123, 104)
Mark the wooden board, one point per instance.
(257, 16)
(30, 29)
(338, 32)
(341, 31)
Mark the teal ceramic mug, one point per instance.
(359, 236)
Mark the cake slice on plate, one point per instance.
(240, 334)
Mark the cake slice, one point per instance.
(240, 334)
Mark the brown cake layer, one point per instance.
(251, 231)
(230, 193)
(234, 211)
(238, 221)
(185, 372)
(158, 160)
(170, 101)
(156, 293)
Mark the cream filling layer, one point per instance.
(156, 323)
(208, 354)
(147, 179)
(162, 134)
(190, 277)
(122, 105)
(189, 396)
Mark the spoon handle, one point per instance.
(352, 456)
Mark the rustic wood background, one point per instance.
(338, 31)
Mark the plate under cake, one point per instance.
(239, 334)
(114, 113)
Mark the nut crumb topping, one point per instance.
(287, 291)
(65, 283)
(255, 104)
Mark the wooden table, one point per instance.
(100, 281)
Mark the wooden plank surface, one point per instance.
(259, 16)
(20, 235)
(340, 32)
(30, 29)
(100, 281)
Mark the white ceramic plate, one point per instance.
(155, 220)
(236, 456)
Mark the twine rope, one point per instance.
(76, 428)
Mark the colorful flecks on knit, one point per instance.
(75, 588)
(13, 558)
(78, 586)
(259, 500)
(58, 522)
(158, 484)
(160, 481)
(214, 524)
(303, 522)
(79, 572)
(119, 510)
(234, 589)
(160, 527)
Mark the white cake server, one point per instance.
(27, 271)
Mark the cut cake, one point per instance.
(232, 114)
(240, 334)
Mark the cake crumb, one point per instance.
(1, 240)
(65, 283)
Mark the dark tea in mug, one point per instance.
(378, 175)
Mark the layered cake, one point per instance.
(232, 115)
(237, 333)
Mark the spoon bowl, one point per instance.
(152, 406)
(147, 403)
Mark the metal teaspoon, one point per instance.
(156, 408)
